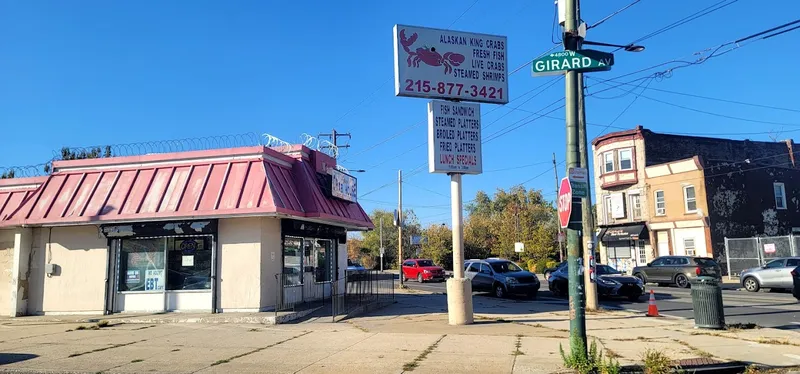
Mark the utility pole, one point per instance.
(381, 233)
(560, 231)
(334, 137)
(400, 224)
(587, 219)
(577, 320)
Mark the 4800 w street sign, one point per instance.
(585, 60)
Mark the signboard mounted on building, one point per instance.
(445, 64)
(343, 186)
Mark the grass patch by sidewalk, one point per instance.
(517, 346)
(775, 341)
(699, 352)
(656, 362)
(734, 327)
(761, 340)
(229, 359)
(755, 369)
(106, 348)
(97, 326)
(410, 366)
(362, 328)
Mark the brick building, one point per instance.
(661, 194)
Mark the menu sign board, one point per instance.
(454, 138)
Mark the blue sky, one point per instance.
(122, 72)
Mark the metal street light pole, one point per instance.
(381, 233)
(577, 323)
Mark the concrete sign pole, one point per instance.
(459, 289)
(400, 225)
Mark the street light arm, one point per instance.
(629, 47)
(603, 44)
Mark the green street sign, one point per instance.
(583, 61)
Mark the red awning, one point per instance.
(248, 181)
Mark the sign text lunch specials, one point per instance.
(454, 138)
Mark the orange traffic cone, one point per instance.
(652, 309)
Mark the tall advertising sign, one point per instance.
(444, 64)
(452, 67)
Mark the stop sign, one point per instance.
(564, 202)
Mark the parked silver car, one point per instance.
(774, 274)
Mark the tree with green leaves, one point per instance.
(371, 239)
(496, 222)
(438, 245)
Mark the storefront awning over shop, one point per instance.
(247, 181)
(623, 233)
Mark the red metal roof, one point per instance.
(247, 181)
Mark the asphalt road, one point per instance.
(766, 309)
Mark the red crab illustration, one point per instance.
(429, 55)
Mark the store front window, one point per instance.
(167, 263)
(292, 261)
(307, 256)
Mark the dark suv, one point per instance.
(677, 270)
(501, 277)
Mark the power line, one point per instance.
(462, 14)
(510, 74)
(703, 12)
(606, 18)
(409, 128)
(708, 97)
(625, 110)
(390, 78)
(426, 189)
(516, 167)
(498, 134)
(710, 113)
(518, 107)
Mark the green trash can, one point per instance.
(709, 312)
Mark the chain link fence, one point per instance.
(746, 253)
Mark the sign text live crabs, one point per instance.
(444, 64)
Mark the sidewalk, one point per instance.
(411, 336)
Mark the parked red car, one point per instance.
(422, 270)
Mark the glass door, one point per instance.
(164, 274)
(190, 267)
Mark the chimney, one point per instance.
(790, 147)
